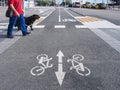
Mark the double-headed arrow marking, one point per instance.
(60, 74)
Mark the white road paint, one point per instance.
(50, 13)
(39, 26)
(114, 43)
(43, 61)
(59, 16)
(4, 24)
(78, 65)
(69, 20)
(81, 26)
(60, 74)
(41, 11)
(59, 26)
(101, 24)
(3, 27)
(96, 24)
(71, 15)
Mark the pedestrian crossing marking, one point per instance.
(39, 26)
(1, 24)
(88, 19)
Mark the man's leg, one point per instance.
(12, 22)
(22, 25)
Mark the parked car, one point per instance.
(87, 5)
(76, 4)
(93, 5)
(100, 6)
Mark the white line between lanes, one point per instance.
(59, 26)
(81, 26)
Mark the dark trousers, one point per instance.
(12, 22)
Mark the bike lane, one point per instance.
(59, 47)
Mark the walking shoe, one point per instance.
(26, 33)
(10, 36)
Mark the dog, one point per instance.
(28, 21)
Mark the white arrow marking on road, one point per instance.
(60, 74)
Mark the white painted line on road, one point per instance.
(50, 13)
(8, 42)
(107, 38)
(59, 16)
(41, 11)
(117, 27)
(46, 12)
(3, 27)
(59, 26)
(81, 26)
(39, 26)
(69, 20)
(71, 15)
(3, 24)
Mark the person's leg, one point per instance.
(12, 22)
(22, 25)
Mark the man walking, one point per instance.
(16, 6)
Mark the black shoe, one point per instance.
(10, 36)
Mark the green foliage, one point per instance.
(45, 2)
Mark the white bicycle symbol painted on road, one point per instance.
(44, 64)
(76, 64)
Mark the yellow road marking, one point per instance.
(89, 19)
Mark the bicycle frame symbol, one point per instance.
(44, 64)
(76, 64)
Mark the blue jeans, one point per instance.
(12, 22)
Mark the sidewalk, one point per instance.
(3, 19)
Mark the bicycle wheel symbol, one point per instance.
(37, 70)
(43, 61)
(78, 66)
(86, 71)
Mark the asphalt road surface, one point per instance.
(62, 54)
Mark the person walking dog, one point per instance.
(16, 6)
